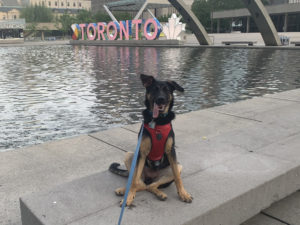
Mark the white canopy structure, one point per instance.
(135, 5)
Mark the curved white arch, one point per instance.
(255, 7)
(193, 21)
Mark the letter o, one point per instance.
(113, 25)
(146, 28)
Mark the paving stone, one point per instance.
(288, 149)
(40, 167)
(287, 210)
(252, 107)
(133, 127)
(205, 123)
(261, 219)
(123, 139)
(227, 194)
(292, 95)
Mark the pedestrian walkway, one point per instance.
(237, 160)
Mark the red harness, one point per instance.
(159, 136)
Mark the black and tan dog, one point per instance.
(157, 165)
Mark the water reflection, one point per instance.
(51, 92)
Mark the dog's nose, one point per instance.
(160, 101)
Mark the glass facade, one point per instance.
(285, 17)
(12, 29)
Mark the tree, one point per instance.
(32, 29)
(164, 18)
(102, 17)
(84, 16)
(37, 13)
(122, 16)
(217, 5)
(202, 9)
(66, 21)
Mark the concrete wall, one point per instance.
(217, 39)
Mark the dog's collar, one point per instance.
(160, 115)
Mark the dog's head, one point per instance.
(159, 95)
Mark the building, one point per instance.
(59, 7)
(7, 13)
(285, 15)
(12, 30)
(10, 9)
(11, 27)
(63, 4)
(277, 2)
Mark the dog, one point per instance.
(157, 166)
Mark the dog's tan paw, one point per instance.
(162, 196)
(185, 196)
(120, 191)
(159, 194)
(130, 199)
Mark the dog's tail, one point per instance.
(114, 168)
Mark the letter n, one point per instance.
(124, 30)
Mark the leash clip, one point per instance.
(152, 124)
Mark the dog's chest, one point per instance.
(159, 135)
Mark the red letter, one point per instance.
(136, 22)
(82, 26)
(101, 31)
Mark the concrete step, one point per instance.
(238, 159)
(287, 210)
(283, 212)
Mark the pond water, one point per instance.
(53, 92)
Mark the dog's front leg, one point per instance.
(137, 183)
(183, 194)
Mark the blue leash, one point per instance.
(132, 168)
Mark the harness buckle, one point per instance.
(152, 124)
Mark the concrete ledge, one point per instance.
(134, 43)
(238, 159)
(11, 41)
(249, 43)
(223, 195)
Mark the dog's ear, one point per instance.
(147, 80)
(174, 86)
